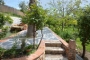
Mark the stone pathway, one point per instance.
(54, 51)
(47, 35)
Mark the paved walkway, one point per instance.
(47, 35)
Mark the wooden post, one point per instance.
(72, 52)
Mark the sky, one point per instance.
(15, 3)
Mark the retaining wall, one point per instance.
(4, 8)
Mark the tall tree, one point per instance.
(30, 26)
(23, 6)
(84, 28)
(35, 18)
(64, 8)
(2, 2)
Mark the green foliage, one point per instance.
(4, 32)
(8, 19)
(65, 11)
(84, 31)
(66, 35)
(29, 49)
(35, 16)
(84, 25)
(2, 20)
(79, 46)
(1, 52)
(2, 2)
(14, 52)
(23, 6)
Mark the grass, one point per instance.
(79, 45)
(8, 34)
(10, 14)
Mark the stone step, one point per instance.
(54, 50)
(53, 43)
(55, 57)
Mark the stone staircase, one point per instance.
(54, 51)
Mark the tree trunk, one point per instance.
(30, 30)
(63, 21)
(31, 27)
(62, 26)
(34, 35)
(84, 49)
(41, 38)
(0, 58)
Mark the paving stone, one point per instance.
(55, 57)
(54, 43)
(54, 50)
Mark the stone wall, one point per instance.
(4, 8)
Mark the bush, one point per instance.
(1, 52)
(68, 35)
(3, 33)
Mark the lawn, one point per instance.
(79, 45)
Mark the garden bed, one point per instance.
(35, 54)
(16, 53)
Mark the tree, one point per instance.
(36, 18)
(84, 28)
(64, 8)
(2, 2)
(23, 6)
(30, 26)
